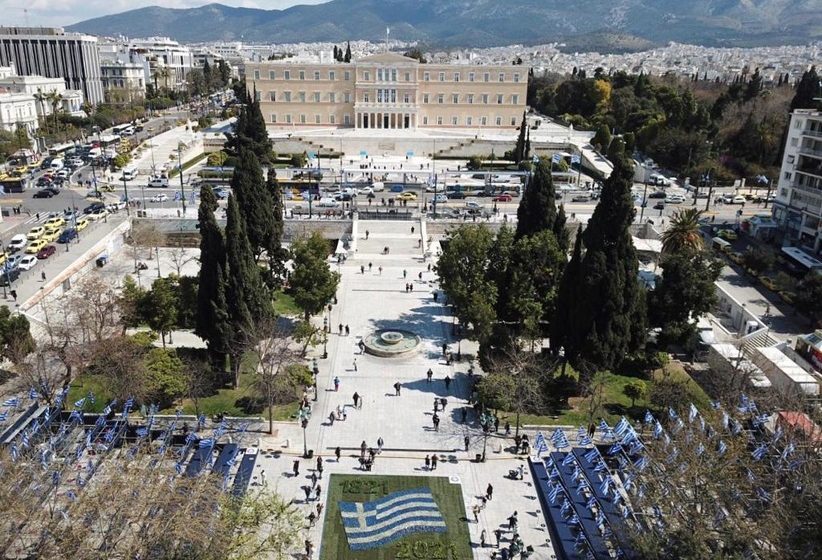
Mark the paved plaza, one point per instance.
(378, 300)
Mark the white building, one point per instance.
(18, 109)
(48, 93)
(798, 204)
(53, 53)
(169, 62)
(123, 81)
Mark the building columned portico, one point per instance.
(388, 91)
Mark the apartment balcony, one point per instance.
(811, 170)
(810, 152)
(813, 133)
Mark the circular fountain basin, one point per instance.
(391, 343)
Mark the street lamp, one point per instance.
(486, 421)
(182, 184)
(304, 423)
(125, 188)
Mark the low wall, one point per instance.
(292, 228)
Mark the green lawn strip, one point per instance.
(81, 387)
(284, 305)
(196, 159)
(454, 544)
(614, 403)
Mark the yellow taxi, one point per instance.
(54, 223)
(788, 297)
(407, 196)
(35, 246)
(52, 234)
(738, 258)
(81, 224)
(769, 283)
(3, 258)
(35, 233)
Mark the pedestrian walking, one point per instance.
(309, 548)
(312, 518)
(336, 383)
(444, 349)
(296, 467)
(341, 329)
(429, 374)
(347, 330)
(447, 383)
(367, 233)
(362, 269)
(313, 479)
(436, 404)
(467, 441)
(319, 510)
(369, 267)
(436, 420)
(263, 481)
(380, 443)
(443, 403)
(498, 535)
(482, 538)
(43, 276)
(361, 346)
(475, 509)
(397, 388)
(419, 275)
(412, 229)
(512, 521)
(356, 399)
(319, 491)
(489, 492)
(337, 453)
(355, 364)
(404, 273)
(496, 423)
(320, 465)
(380, 269)
(363, 447)
(508, 428)
(307, 490)
(427, 463)
(434, 461)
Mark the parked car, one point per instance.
(738, 199)
(17, 243)
(473, 205)
(659, 206)
(440, 198)
(658, 194)
(46, 252)
(81, 224)
(45, 193)
(9, 275)
(769, 283)
(502, 198)
(35, 233)
(674, 199)
(736, 257)
(727, 234)
(580, 198)
(68, 235)
(54, 223)
(12, 262)
(27, 262)
(159, 198)
(158, 182)
(98, 214)
(35, 246)
(407, 196)
(455, 195)
(328, 203)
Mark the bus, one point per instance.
(121, 128)
(14, 184)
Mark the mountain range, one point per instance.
(483, 23)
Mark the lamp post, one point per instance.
(182, 184)
(5, 272)
(125, 188)
(304, 424)
(486, 421)
(644, 195)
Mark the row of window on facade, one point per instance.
(388, 75)
(390, 96)
(425, 121)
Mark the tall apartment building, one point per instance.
(798, 204)
(169, 62)
(388, 91)
(53, 53)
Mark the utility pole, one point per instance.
(182, 184)
(710, 182)
(128, 202)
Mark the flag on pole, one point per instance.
(33, 394)
(12, 402)
(556, 158)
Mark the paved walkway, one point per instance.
(369, 301)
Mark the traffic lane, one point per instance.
(31, 281)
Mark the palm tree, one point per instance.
(163, 73)
(56, 100)
(41, 99)
(683, 233)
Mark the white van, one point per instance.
(56, 164)
(159, 182)
(129, 172)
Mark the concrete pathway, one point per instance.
(369, 301)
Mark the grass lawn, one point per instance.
(284, 305)
(454, 544)
(225, 400)
(614, 403)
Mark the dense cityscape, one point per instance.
(608, 341)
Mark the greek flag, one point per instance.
(12, 402)
(575, 158)
(33, 394)
(585, 440)
(129, 403)
(380, 522)
(657, 429)
(568, 460)
(788, 451)
(539, 442)
(25, 441)
(649, 418)
(672, 414)
(4, 416)
(722, 447)
(759, 453)
(80, 403)
(556, 158)
(692, 412)
(206, 442)
(554, 493)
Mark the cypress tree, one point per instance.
(526, 156)
(537, 210)
(276, 254)
(806, 90)
(564, 325)
(208, 78)
(211, 307)
(254, 200)
(560, 231)
(245, 293)
(610, 310)
(519, 148)
(347, 52)
(336, 53)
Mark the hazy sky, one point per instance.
(66, 12)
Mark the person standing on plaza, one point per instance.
(380, 443)
(482, 538)
(443, 403)
(356, 398)
(447, 383)
(355, 363)
(434, 461)
(467, 441)
(338, 453)
(319, 491)
(347, 330)
(309, 548)
(498, 535)
(313, 479)
(419, 275)
(367, 233)
(263, 481)
(427, 463)
(436, 420)
(296, 467)
(489, 492)
(307, 490)
(404, 273)
(429, 374)
(341, 329)
(363, 447)
(369, 267)
(380, 269)
(336, 383)
(397, 387)
(362, 269)
(319, 510)
(320, 465)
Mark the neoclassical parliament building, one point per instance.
(389, 91)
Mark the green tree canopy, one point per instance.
(16, 341)
(212, 313)
(537, 210)
(312, 282)
(255, 203)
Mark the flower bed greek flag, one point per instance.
(381, 522)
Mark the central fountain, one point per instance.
(391, 343)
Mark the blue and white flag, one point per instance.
(206, 442)
(657, 429)
(760, 452)
(649, 418)
(585, 441)
(552, 495)
(33, 394)
(81, 403)
(692, 412)
(568, 460)
(721, 448)
(12, 402)
(556, 158)
(4, 416)
(380, 522)
(575, 158)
